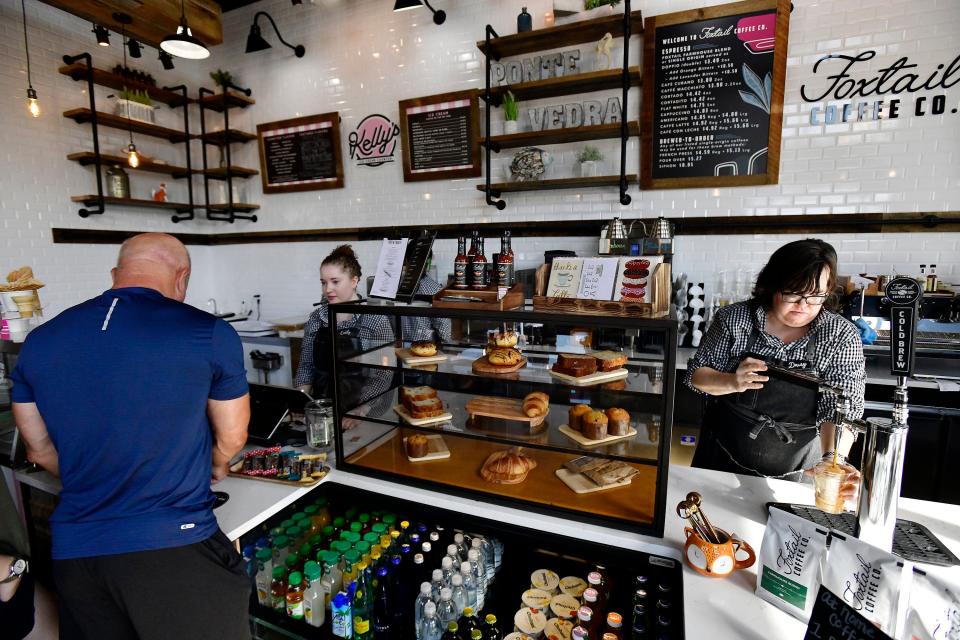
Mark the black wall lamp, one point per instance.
(255, 41)
(403, 5)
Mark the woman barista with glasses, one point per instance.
(759, 424)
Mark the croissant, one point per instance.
(507, 467)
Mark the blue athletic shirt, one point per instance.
(122, 382)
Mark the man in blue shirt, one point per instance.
(137, 401)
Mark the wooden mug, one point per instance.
(716, 560)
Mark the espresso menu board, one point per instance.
(713, 95)
(440, 136)
(301, 154)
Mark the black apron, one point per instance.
(350, 379)
(768, 432)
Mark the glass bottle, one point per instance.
(278, 589)
(468, 622)
(446, 610)
(932, 281)
(479, 267)
(430, 627)
(361, 606)
(420, 604)
(461, 264)
(505, 262)
(264, 576)
(314, 598)
(418, 572)
(614, 625)
(294, 596)
(452, 632)
(471, 254)
(383, 621)
(490, 629)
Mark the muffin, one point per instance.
(577, 412)
(417, 445)
(594, 425)
(618, 421)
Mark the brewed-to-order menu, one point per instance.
(716, 97)
(301, 154)
(440, 136)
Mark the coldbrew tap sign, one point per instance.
(904, 295)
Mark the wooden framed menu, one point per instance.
(713, 95)
(440, 136)
(301, 154)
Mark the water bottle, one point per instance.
(479, 575)
(489, 557)
(461, 546)
(446, 610)
(436, 585)
(446, 566)
(469, 585)
(477, 544)
(497, 553)
(459, 593)
(454, 555)
(420, 604)
(430, 628)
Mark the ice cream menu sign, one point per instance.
(713, 95)
(440, 136)
(301, 154)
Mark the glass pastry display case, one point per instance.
(566, 414)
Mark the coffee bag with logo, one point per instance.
(791, 559)
(866, 578)
(934, 609)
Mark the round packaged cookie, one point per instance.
(530, 621)
(545, 579)
(516, 635)
(573, 586)
(535, 599)
(558, 629)
(564, 606)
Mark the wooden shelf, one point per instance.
(91, 200)
(226, 135)
(634, 502)
(86, 158)
(561, 136)
(568, 85)
(220, 173)
(119, 122)
(221, 102)
(561, 183)
(556, 37)
(237, 207)
(79, 71)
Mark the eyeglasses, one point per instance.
(814, 299)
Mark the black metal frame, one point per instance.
(185, 215)
(492, 101)
(667, 325)
(214, 212)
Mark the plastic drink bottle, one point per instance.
(264, 576)
(314, 602)
(341, 617)
(446, 610)
(430, 628)
(295, 596)
(419, 605)
(469, 584)
(459, 593)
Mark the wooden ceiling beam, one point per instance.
(153, 20)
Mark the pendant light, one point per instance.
(439, 17)
(182, 43)
(133, 158)
(33, 103)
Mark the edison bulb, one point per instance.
(34, 106)
(133, 158)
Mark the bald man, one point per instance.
(138, 401)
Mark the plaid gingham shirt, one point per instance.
(837, 356)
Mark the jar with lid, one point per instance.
(118, 182)
(319, 417)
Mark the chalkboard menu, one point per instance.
(713, 95)
(834, 619)
(301, 154)
(440, 136)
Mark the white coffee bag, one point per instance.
(790, 566)
(866, 578)
(934, 609)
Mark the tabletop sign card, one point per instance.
(834, 619)
(713, 95)
(440, 136)
(400, 267)
(597, 277)
(564, 278)
(301, 154)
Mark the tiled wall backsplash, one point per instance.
(362, 58)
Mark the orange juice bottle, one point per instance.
(294, 596)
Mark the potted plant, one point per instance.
(511, 112)
(584, 10)
(221, 78)
(588, 159)
(136, 105)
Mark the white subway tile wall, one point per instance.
(362, 58)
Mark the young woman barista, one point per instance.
(761, 425)
(340, 274)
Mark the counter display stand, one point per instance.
(488, 414)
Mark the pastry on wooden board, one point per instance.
(536, 404)
(423, 348)
(504, 357)
(503, 338)
(417, 445)
(509, 466)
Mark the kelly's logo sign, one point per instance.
(374, 141)
(839, 78)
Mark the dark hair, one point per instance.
(344, 257)
(796, 267)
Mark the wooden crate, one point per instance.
(660, 306)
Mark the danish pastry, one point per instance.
(423, 348)
(504, 357)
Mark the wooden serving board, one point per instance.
(580, 483)
(593, 378)
(578, 437)
(489, 301)
(401, 411)
(526, 433)
(480, 365)
(503, 408)
(411, 359)
(659, 306)
(234, 471)
(436, 449)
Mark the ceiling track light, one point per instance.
(166, 60)
(255, 41)
(134, 48)
(439, 16)
(182, 43)
(103, 35)
(33, 102)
